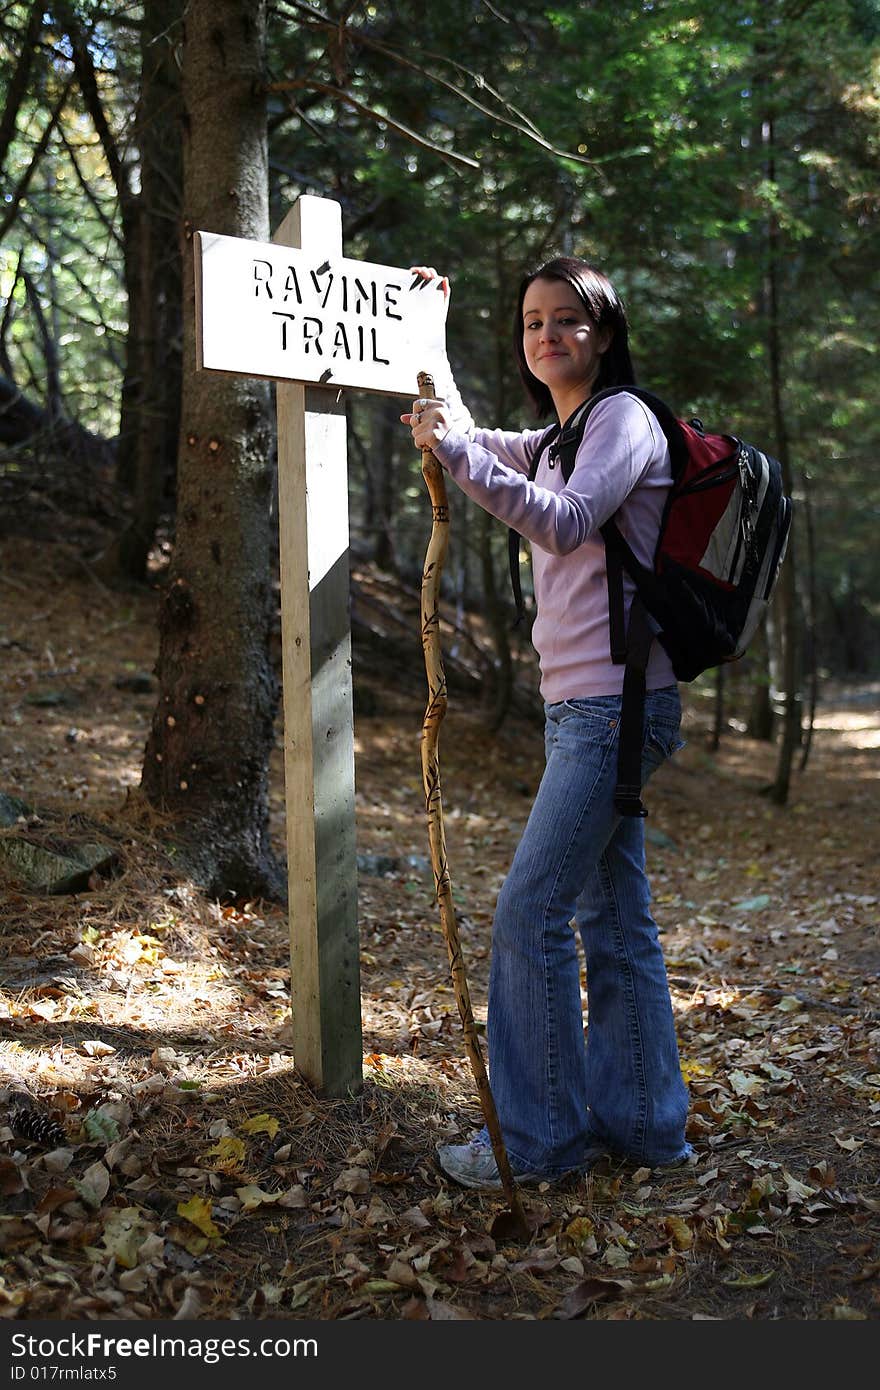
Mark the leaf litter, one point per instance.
(199, 1175)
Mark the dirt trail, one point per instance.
(195, 1163)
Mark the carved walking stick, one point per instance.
(434, 714)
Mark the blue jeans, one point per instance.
(581, 864)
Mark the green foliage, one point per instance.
(61, 256)
(719, 160)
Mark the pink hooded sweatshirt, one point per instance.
(622, 470)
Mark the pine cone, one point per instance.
(37, 1126)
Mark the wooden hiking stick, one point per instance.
(434, 714)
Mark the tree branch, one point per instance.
(12, 206)
(88, 85)
(83, 182)
(54, 401)
(6, 322)
(522, 124)
(99, 305)
(18, 83)
(380, 117)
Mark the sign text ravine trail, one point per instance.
(297, 311)
(306, 315)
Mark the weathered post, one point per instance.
(318, 720)
(300, 313)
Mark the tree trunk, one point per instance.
(119, 163)
(381, 473)
(500, 691)
(206, 761)
(152, 416)
(810, 662)
(718, 711)
(759, 720)
(786, 604)
(18, 82)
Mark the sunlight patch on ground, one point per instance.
(855, 730)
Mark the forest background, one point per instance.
(720, 162)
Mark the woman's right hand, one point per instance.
(429, 421)
(428, 273)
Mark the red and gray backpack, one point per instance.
(722, 540)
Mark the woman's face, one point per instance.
(561, 343)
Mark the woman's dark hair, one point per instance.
(605, 308)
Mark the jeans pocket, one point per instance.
(661, 740)
(603, 707)
(594, 720)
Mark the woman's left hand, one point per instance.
(429, 421)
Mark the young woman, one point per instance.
(563, 1103)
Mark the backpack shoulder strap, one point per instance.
(669, 424)
(566, 446)
(546, 438)
(513, 537)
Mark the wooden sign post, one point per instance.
(295, 310)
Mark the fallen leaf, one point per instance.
(197, 1211)
(294, 1197)
(378, 1214)
(124, 1233)
(789, 1004)
(580, 1230)
(302, 1291)
(353, 1180)
(94, 1185)
(164, 1059)
(746, 1083)
(229, 1151)
(538, 1262)
(680, 1231)
(415, 1310)
(55, 1197)
(796, 1191)
(413, 1219)
(190, 1305)
(508, 1226)
(261, 1124)
(615, 1256)
(190, 1240)
(588, 1291)
(252, 1197)
(102, 1128)
(399, 1272)
(11, 1180)
(749, 1281)
(440, 1311)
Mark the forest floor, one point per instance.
(193, 1173)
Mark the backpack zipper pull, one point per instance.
(749, 481)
